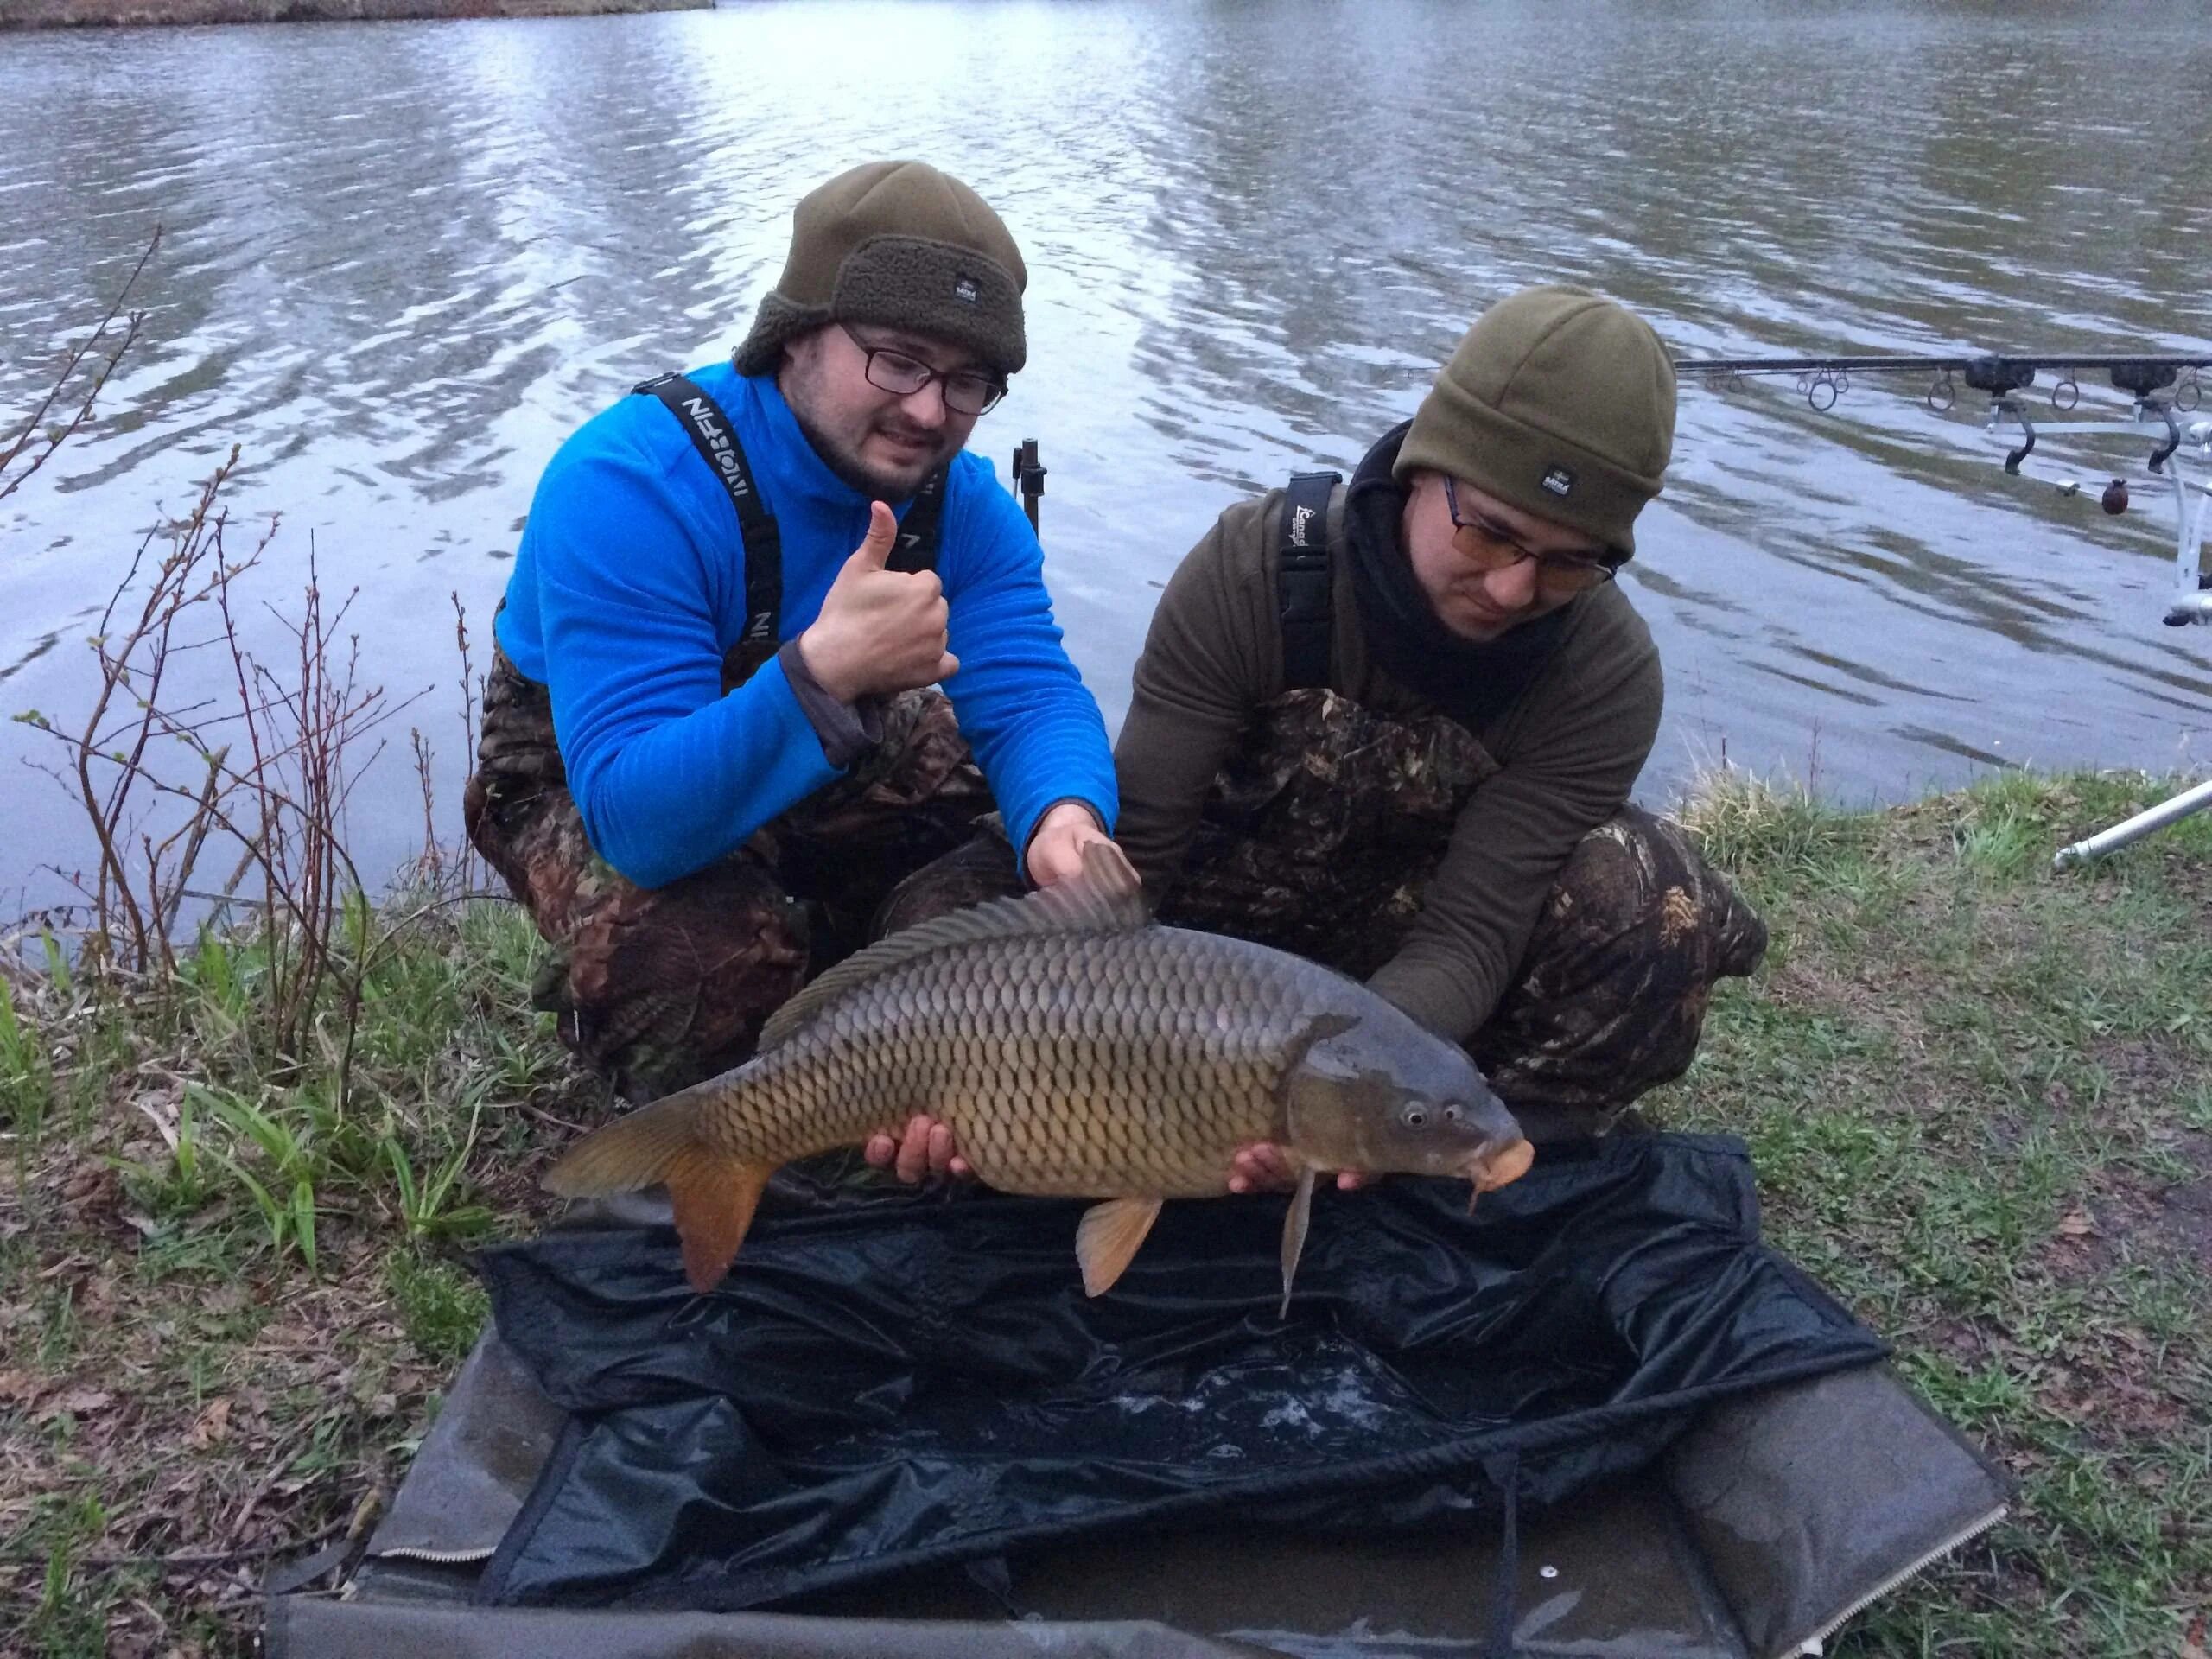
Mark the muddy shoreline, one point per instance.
(125, 14)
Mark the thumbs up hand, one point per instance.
(879, 631)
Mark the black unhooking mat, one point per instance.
(885, 1383)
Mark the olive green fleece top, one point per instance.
(1569, 750)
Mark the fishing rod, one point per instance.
(2164, 387)
(1985, 370)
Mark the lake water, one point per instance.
(402, 260)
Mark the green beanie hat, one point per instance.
(900, 246)
(1558, 402)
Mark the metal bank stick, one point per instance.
(1028, 478)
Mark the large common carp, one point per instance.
(1075, 1048)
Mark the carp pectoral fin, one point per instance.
(715, 1197)
(1293, 1234)
(1108, 1237)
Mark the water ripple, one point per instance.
(401, 261)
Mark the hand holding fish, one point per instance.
(924, 1147)
(879, 631)
(1057, 843)
(1264, 1167)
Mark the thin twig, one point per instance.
(202, 1558)
(544, 1116)
(253, 1500)
(55, 439)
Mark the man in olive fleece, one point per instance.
(1431, 793)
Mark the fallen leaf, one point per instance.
(84, 1183)
(225, 1299)
(2074, 1224)
(214, 1424)
(78, 1402)
(161, 1111)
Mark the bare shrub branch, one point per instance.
(39, 446)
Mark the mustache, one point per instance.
(906, 433)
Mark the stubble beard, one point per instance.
(873, 482)
(843, 459)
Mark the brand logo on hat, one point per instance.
(1558, 481)
(965, 290)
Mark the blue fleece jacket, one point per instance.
(629, 586)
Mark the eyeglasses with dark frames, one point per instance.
(967, 391)
(1489, 545)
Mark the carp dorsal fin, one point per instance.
(1106, 897)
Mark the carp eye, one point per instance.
(1415, 1118)
(1451, 1114)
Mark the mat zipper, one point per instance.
(1895, 1580)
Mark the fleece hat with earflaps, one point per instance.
(1558, 402)
(897, 244)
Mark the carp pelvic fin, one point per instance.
(1107, 898)
(1108, 1237)
(1293, 1234)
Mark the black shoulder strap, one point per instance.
(1302, 579)
(916, 549)
(716, 440)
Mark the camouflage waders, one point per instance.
(658, 987)
(1319, 837)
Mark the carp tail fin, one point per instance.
(714, 1194)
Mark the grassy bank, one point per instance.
(228, 1302)
(1979, 1099)
(1979, 1094)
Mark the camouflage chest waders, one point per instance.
(1321, 835)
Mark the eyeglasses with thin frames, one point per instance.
(967, 391)
(1480, 540)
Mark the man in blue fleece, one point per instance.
(713, 739)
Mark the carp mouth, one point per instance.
(1499, 1168)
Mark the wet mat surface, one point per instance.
(888, 1381)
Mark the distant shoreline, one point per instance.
(123, 14)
